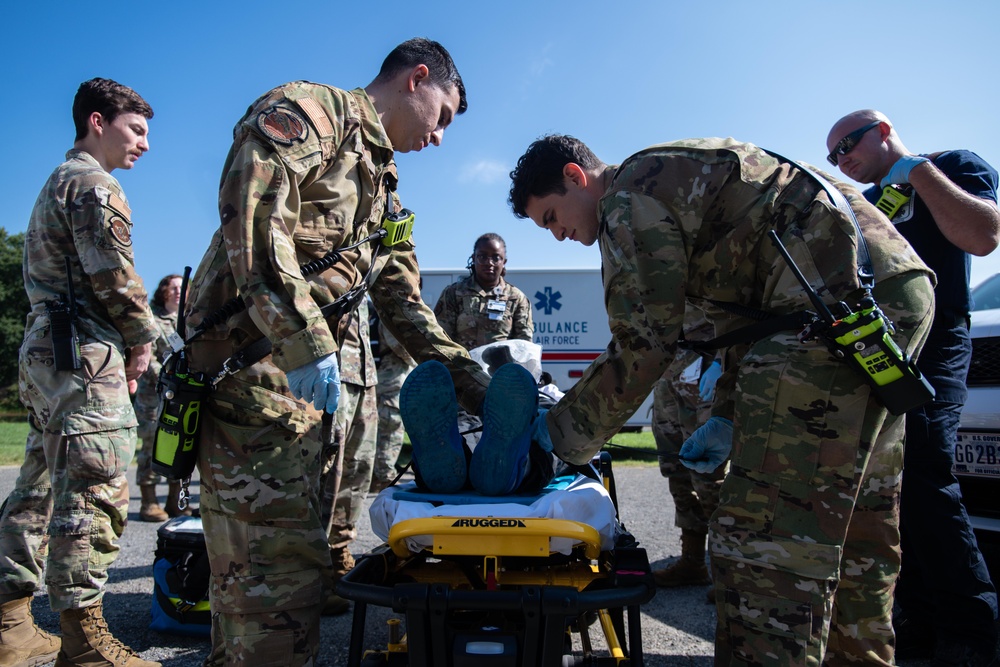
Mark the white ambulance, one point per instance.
(571, 323)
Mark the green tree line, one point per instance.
(14, 307)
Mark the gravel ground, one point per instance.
(677, 625)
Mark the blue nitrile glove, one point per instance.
(709, 446)
(317, 381)
(706, 386)
(540, 431)
(900, 172)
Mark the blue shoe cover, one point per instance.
(429, 410)
(499, 461)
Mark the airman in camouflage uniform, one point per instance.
(310, 171)
(484, 308)
(348, 465)
(393, 367)
(678, 410)
(69, 504)
(805, 540)
(147, 403)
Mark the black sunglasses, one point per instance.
(847, 144)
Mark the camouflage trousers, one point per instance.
(69, 505)
(357, 425)
(267, 546)
(805, 541)
(677, 412)
(147, 405)
(392, 372)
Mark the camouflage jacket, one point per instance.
(688, 220)
(462, 312)
(357, 365)
(310, 171)
(388, 345)
(696, 328)
(82, 214)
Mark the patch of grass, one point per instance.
(633, 448)
(12, 436)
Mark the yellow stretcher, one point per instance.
(489, 590)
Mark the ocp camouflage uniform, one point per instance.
(357, 427)
(311, 170)
(677, 411)
(147, 402)
(462, 312)
(805, 540)
(70, 502)
(393, 367)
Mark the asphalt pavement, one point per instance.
(677, 625)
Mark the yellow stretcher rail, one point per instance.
(614, 645)
(495, 536)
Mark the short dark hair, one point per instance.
(159, 296)
(422, 51)
(539, 172)
(108, 98)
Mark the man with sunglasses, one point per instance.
(946, 604)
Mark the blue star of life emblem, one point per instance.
(548, 300)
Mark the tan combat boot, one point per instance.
(173, 496)
(335, 605)
(22, 643)
(343, 562)
(150, 509)
(87, 642)
(690, 568)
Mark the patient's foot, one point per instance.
(500, 459)
(429, 410)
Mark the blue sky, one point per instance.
(620, 76)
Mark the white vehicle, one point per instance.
(571, 323)
(977, 454)
(986, 295)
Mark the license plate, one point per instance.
(977, 453)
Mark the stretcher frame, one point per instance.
(476, 574)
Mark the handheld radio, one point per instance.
(893, 198)
(62, 323)
(863, 339)
(182, 395)
(398, 227)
